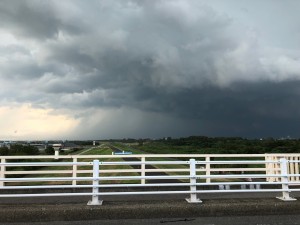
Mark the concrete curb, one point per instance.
(145, 210)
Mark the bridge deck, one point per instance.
(134, 207)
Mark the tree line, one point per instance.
(221, 145)
(17, 149)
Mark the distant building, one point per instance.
(66, 146)
(57, 147)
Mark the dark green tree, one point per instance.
(18, 149)
(4, 151)
(49, 150)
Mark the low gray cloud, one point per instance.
(173, 60)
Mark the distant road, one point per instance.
(81, 153)
(85, 151)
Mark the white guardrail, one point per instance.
(183, 174)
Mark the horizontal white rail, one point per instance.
(237, 162)
(47, 164)
(187, 162)
(146, 163)
(143, 185)
(141, 193)
(170, 177)
(148, 156)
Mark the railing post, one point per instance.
(292, 169)
(2, 172)
(74, 171)
(285, 180)
(143, 169)
(193, 196)
(207, 169)
(268, 167)
(297, 168)
(56, 154)
(95, 198)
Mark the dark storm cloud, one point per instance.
(257, 109)
(178, 59)
(34, 19)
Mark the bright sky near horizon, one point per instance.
(149, 68)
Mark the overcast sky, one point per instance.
(149, 68)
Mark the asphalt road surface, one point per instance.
(243, 220)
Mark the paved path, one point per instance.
(115, 149)
(81, 153)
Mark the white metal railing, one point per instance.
(76, 170)
(191, 178)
